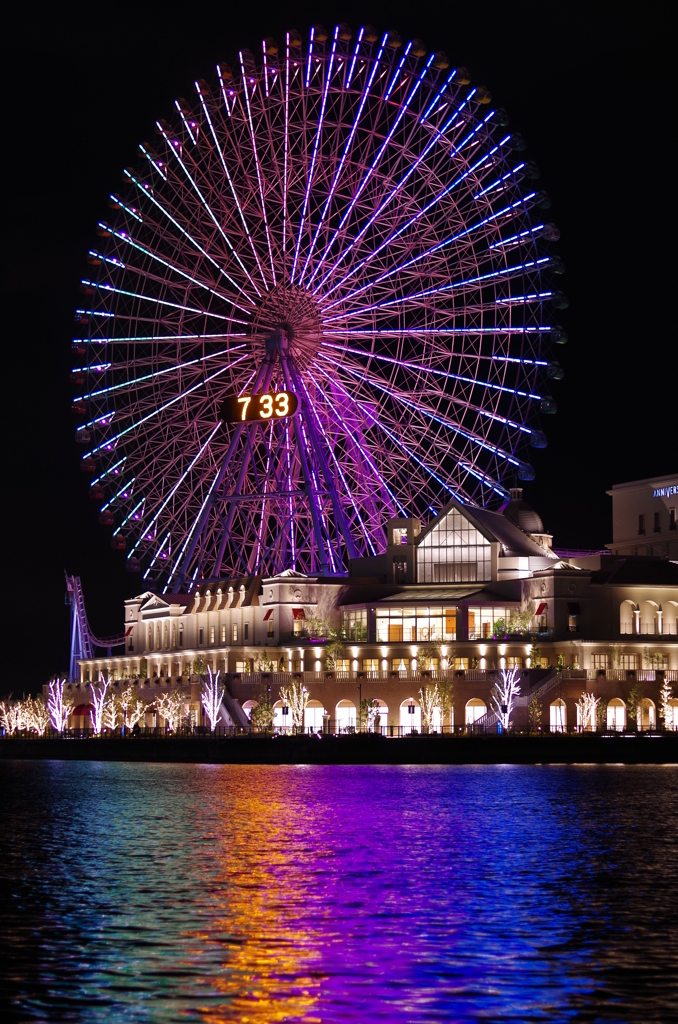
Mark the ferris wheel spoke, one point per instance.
(145, 191)
(230, 183)
(152, 299)
(390, 434)
(157, 411)
(471, 285)
(379, 212)
(414, 219)
(149, 377)
(207, 208)
(371, 169)
(127, 239)
(340, 473)
(314, 156)
(424, 411)
(416, 369)
(347, 149)
(506, 212)
(258, 168)
(350, 436)
(345, 153)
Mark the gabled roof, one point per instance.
(494, 527)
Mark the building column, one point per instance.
(660, 620)
(636, 620)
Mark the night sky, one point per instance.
(587, 88)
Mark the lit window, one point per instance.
(212, 636)
(234, 633)
(223, 634)
(354, 624)
(270, 627)
(572, 623)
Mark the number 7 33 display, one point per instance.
(250, 408)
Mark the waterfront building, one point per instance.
(471, 593)
(644, 517)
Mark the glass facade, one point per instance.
(416, 624)
(454, 552)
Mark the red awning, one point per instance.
(299, 613)
(268, 614)
(81, 709)
(541, 609)
(129, 630)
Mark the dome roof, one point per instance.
(522, 514)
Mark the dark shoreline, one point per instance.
(623, 749)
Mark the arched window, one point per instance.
(150, 638)
(174, 636)
(558, 716)
(158, 638)
(165, 638)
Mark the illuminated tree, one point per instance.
(125, 701)
(12, 715)
(211, 696)
(635, 696)
(429, 698)
(59, 708)
(429, 656)
(504, 693)
(335, 652)
(445, 698)
(136, 711)
(98, 703)
(296, 698)
(262, 712)
(534, 713)
(172, 707)
(111, 713)
(36, 715)
(665, 709)
(586, 707)
(199, 666)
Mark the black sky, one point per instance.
(586, 85)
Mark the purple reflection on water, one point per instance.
(221, 893)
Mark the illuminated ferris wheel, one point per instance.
(323, 299)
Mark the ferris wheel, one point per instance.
(323, 298)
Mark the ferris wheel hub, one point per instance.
(288, 322)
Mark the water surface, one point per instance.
(151, 893)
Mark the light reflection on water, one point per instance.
(262, 894)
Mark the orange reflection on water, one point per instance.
(266, 885)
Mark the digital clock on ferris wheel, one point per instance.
(255, 408)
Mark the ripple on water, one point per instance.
(261, 894)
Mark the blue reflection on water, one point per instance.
(224, 893)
